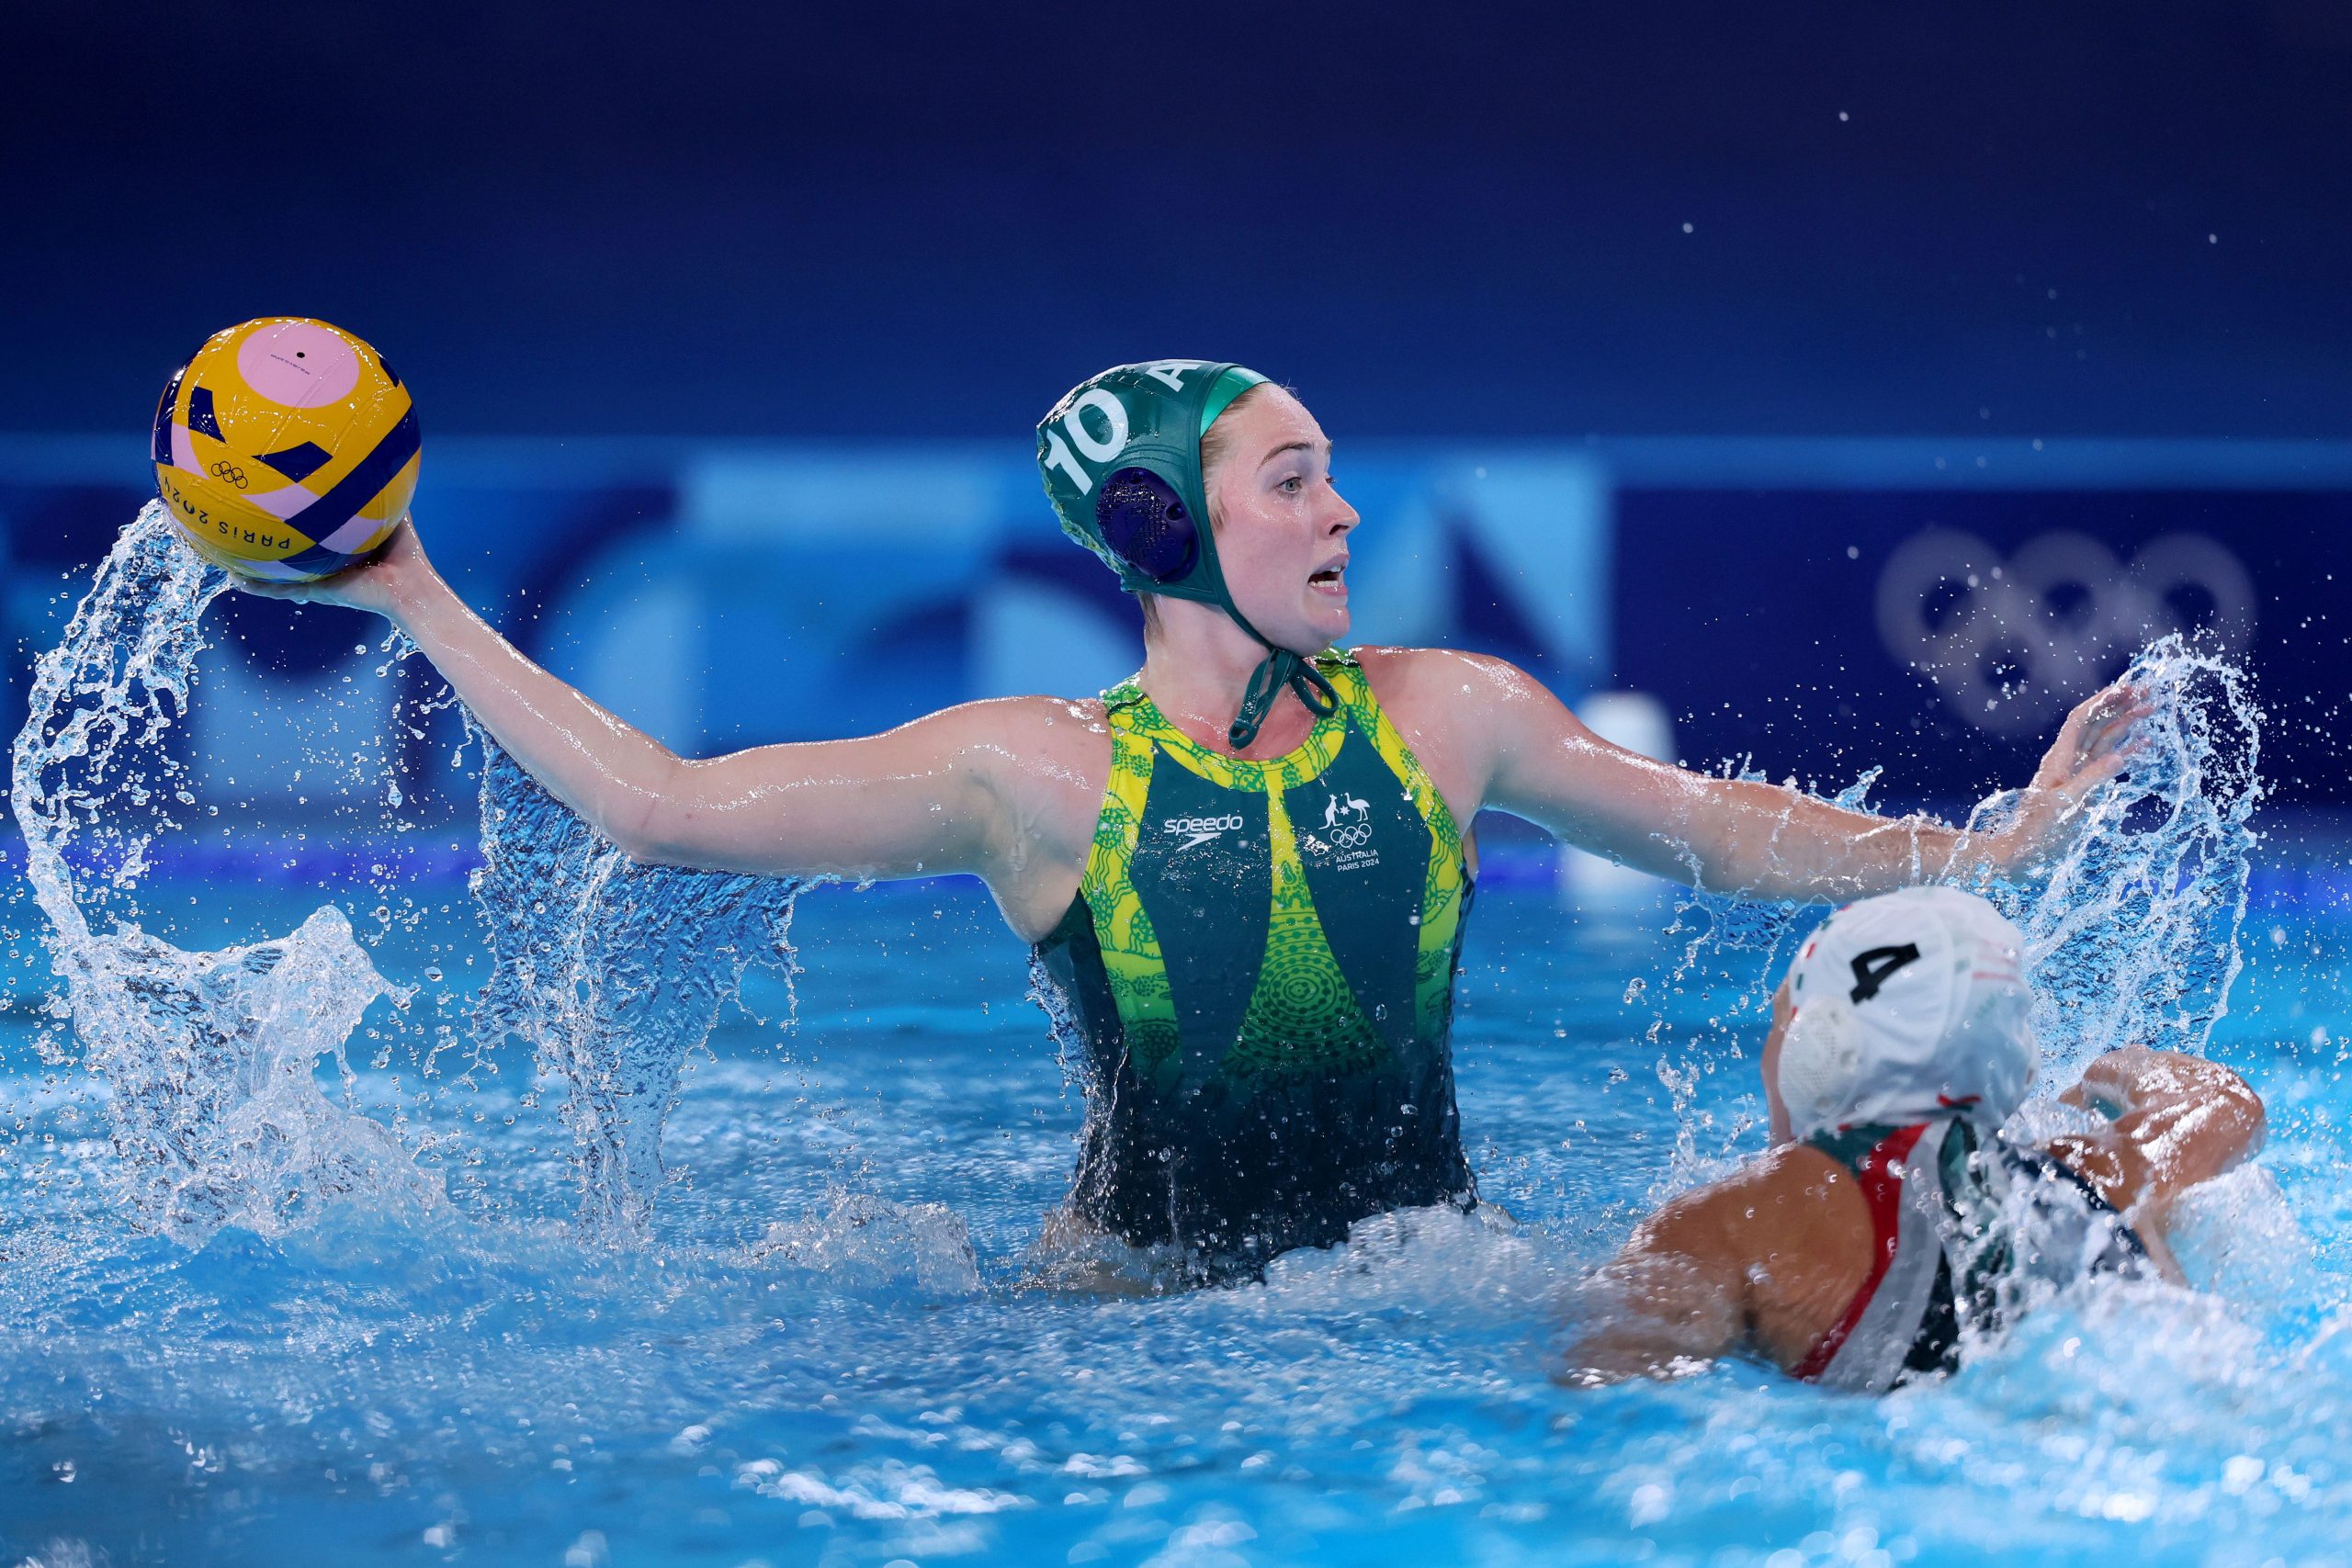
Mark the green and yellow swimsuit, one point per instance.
(1260, 961)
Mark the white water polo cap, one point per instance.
(1909, 1006)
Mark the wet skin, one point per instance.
(1009, 789)
(1769, 1258)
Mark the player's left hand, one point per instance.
(2094, 745)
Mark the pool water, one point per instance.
(343, 1222)
(831, 1350)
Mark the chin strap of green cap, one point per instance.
(1121, 460)
(1279, 668)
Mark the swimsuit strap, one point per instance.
(1901, 1318)
(1129, 708)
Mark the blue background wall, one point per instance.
(729, 323)
(884, 221)
(1805, 607)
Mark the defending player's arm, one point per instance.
(1765, 1261)
(1734, 835)
(2173, 1121)
(920, 798)
(1673, 1299)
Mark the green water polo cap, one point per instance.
(1120, 456)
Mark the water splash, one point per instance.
(2133, 939)
(859, 1241)
(209, 1059)
(614, 973)
(1722, 936)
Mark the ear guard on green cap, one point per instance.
(1121, 460)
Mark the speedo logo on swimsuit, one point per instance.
(1201, 829)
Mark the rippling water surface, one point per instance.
(449, 1290)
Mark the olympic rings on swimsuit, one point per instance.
(2012, 644)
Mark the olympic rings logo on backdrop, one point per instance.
(2012, 644)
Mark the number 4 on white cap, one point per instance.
(1873, 968)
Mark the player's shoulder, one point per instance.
(1447, 668)
(1450, 695)
(1025, 723)
(1791, 1175)
(1797, 1170)
(1051, 753)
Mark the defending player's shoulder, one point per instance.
(1793, 1184)
(1451, 686)
(1048, 720)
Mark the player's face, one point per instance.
(1281, 526)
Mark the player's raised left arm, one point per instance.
(1770, 841)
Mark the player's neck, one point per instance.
(1196, 666)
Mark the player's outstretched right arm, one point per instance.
(946, 792)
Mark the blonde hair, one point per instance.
(1216, 438)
